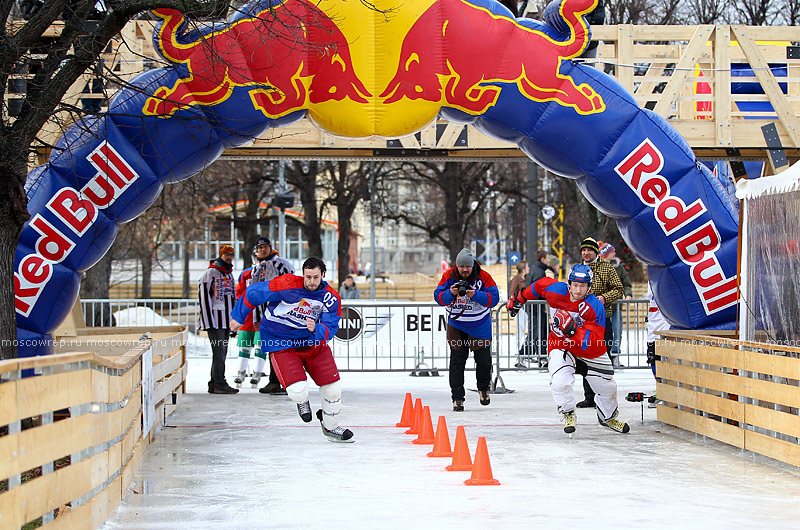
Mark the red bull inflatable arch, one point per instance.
(357, 72)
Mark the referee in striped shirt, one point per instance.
(217, 294)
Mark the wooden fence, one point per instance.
(73, 434)
(745, 394)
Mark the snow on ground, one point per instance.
(248, 461)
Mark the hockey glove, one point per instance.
(514, 305)
(563, 324)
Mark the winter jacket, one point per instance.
(470, 315)
(216, 291)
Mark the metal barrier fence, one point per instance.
(377, 335)
(522, 340)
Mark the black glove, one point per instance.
(514, 305)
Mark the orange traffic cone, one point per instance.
(408, 412)
(482, 469)
(461, 459)
(416, 420)
(441, 444)
(425, 435)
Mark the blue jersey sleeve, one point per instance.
(255, 295)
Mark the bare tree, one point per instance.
(346, 185)
(67, 56)
(303, 176)
(707, 11)
(755, 12)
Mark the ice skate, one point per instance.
(239, 379)
(485, 399)
(339, 434)
(304, 410)
(614, 424)
(569, 419)
(458, 405)
(256, 379)
(652, 402)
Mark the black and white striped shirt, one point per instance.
(265, 271)
(217, 294)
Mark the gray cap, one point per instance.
(464, 258)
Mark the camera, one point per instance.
(463, 286)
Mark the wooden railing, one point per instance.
(745, 394)
(73, 428)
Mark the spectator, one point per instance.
(517, 284)
(469, 293)
(537, 316)
(349, 290)
(217, 296)
(267, 269)
(267, 264)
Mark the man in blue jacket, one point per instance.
(469, 293)
(301, 314)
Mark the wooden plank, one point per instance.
(700, 353)
(769, 84)
(450, 135)
(772, 447)
(428, 135)
(101, 387)
(709, 403)
(46, 393)
(167, 386)
(167, 366)
(717, 430)
(722, 86)
(683, 68)
(734, 384)
(772, 364)
(689, 375)
(624, 72)
(772, 420)
(10, 509)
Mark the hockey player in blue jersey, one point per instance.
(468, 293)
(301, 314)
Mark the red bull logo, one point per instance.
(293, 56)
(480, 50)
(290, 55)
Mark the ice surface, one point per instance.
(248, 461)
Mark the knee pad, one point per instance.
(331, 393)
(260, 354)
(298, 392)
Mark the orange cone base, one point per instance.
(437, 454)
(482, 482)
(459, 467)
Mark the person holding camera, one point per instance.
(468, 293)
(576, 334)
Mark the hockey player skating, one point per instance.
(267, 264)
(301, 315)
(578, 326)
